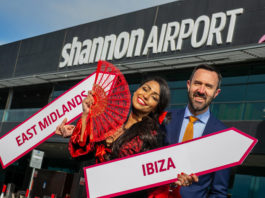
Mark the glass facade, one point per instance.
(242, 99)
(35, 96)
(248, 186)
(167, 39)
(3, 100)
(19, 115)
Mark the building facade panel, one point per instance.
(40, 54)
(8, 58)
(168, 40)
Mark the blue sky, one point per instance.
(20, 19)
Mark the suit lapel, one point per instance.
(179, 124)
(209, 126)
(177, 117)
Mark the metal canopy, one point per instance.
(216, 57)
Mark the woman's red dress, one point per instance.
(129, 148)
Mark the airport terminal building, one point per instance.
(166, 40)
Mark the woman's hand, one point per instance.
(186, 180)
(64, 130)
(87, 103)
(67, 130)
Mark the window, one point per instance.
(35, 96)
(3, 98)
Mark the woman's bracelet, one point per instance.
(172, 187)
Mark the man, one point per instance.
(195, 121)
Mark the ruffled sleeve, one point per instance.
(77, 148)
(132, 147)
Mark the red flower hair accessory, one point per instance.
(162, 117)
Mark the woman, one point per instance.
(139, 133)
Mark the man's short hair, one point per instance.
(209, 68)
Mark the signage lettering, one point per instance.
(169, 37)
(26, 136)
(162, 166)
(41, 125)
(50, 118)
(158, 166)
(54, 115)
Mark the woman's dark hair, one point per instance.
(145, 129)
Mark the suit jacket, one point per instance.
(213, 185)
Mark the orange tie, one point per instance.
(188, 135)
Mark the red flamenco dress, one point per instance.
(134, 146)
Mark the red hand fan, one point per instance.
(112, 103)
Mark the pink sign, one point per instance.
(39, 127)
(161, 166)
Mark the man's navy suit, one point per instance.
(213, 185)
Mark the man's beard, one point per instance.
(199, 108)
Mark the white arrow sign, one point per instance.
(39, 127)
(161, 166)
